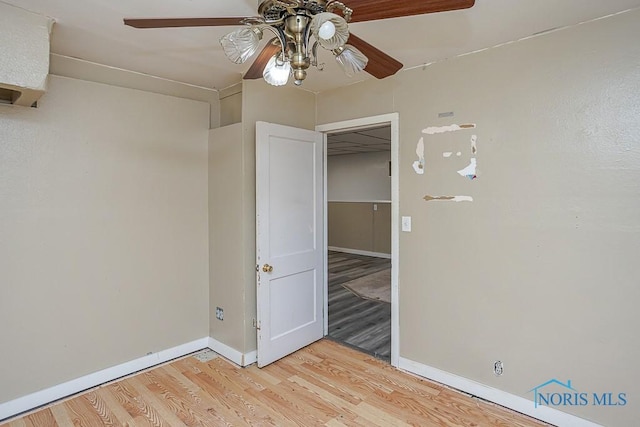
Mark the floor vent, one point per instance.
(205, 355)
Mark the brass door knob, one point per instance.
(267, 268)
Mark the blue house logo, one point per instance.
(557, 393)
(545, 398)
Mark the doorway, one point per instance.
(359, 239)
(353, 312)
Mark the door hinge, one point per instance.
(255, 324)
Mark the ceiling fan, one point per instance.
(293, 23)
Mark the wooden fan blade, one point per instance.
(181, 22)
(256, 69)
(380, 64)
(370, 10)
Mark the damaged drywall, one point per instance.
(433, 130)
(418, 165)
(469, 171)
(429, 198)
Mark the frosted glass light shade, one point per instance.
(240, 44)
(351, 60)
(276, 73)
(327, 30)
(330, 30)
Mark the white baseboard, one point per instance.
(494, 395)
(51, 394)
(359, 252)
(232, 354)
(250, 358)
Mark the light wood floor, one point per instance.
(323, 384)
(362, 323)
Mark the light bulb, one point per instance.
(276, 73)
(240, 44)
(327, 30)
(351, 60)
(331, 30)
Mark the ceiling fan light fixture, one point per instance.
(300, 28)
(351, 60)
(277, 72)
(241, 44)
(327, 30)
(331, 30)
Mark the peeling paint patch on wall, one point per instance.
(429, 198)
(432, 130)
(418, 165)
(469, 171)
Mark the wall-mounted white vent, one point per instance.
(24, 55)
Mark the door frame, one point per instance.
(392, 119)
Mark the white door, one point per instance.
(289, 239)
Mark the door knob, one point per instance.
(267, 268)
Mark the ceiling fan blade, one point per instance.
(380, 64)
(256, 69)
(370, 10)
(181, 22)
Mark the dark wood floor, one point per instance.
(360, 323)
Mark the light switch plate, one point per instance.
(406, 223)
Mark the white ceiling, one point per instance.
(93, 30)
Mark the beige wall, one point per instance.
(232, 179)
(226, 246)
(373, 97)
(84, 70)
(363, 177)
(540, 270)
(231, 105)
(362, 226)
(382, 228)
(103, 224)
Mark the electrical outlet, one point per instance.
(219, 313)
(498, 367)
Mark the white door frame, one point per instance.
(392, 119)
